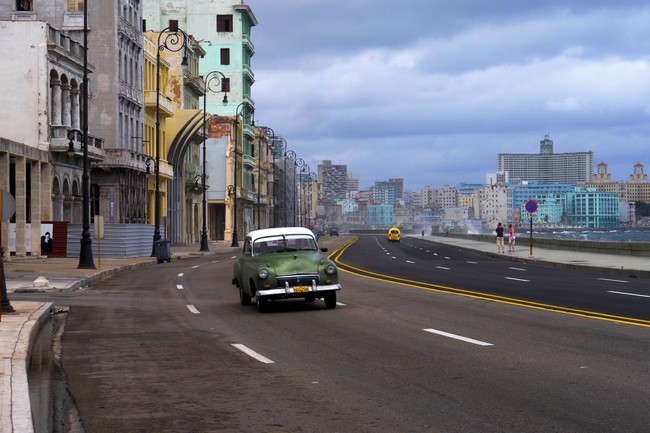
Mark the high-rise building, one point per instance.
(548, 167)
(334, 181)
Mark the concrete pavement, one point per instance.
(19, 329)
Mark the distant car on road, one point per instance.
(334, 231)
(394, 234)
(318, 233)
(283, 263)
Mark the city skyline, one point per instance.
(433, 92)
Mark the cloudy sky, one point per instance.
(430, 90)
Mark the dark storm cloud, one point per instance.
(450, 84)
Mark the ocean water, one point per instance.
(619, 235)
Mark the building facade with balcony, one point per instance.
(41, 105)
(224, 31)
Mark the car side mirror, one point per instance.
(324, 250)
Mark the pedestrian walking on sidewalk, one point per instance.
(511, 239)
(499, 231)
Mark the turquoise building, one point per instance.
(380, 215)
(586, 207)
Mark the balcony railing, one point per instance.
(59, 143)
(166, 104)
(249, 161)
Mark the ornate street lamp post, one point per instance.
(259, 179)
(246, 111)
(174, 41)
(214, 82)
(292, 155)
(298, 162)
(86, 243)
(304, 173)
(313, 177)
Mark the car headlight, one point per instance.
(263, 274)
(330, 270)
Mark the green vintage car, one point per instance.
(282, 263)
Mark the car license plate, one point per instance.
(300, 289)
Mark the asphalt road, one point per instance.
(169, 349)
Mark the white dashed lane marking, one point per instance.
(613, 281)
(253, 354)
(458, 337)
(628, 294)
(192, 309)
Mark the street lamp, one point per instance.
(259, 178)
(296, 201)
(86, 243)
(173, 41)
(313, 177)
(246, 111)
(304, 169)
(214, 82)
(278, 145)
(289, 154)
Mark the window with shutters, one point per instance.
(76, 5)
(224, 23)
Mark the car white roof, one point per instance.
(278, 231)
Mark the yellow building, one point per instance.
(163, 103)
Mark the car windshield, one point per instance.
(283, 243)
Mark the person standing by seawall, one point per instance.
(511, 239)
(499, 231)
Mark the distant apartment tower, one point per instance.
(548, 167)
(383, 193)
(353, 184)
(399, 187)
(334, 181)
(439, 198)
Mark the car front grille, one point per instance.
(297, 280)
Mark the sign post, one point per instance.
(99, 235)
(531, 208)
(7, 209)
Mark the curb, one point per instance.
(21, 411)
(632, 273)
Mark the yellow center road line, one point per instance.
(336, 256)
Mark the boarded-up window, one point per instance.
(224, 23)
(173, 25)
(225, 85)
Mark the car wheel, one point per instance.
(244, 298)
(330, 300)
(262, 305)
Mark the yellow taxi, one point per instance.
(393, 234)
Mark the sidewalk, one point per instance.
(622, 265)
(17, 330)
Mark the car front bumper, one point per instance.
(297, 292)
